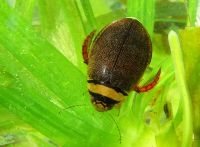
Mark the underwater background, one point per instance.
(44, 99)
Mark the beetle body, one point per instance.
(118, 57)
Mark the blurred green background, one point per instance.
(43, 90)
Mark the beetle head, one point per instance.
(102, 103)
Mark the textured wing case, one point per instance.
(120, 54)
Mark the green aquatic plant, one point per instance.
(180, 76)
(192, 10)
(43, 92)
(143, 10)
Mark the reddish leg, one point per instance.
(150, 85)
(86, 45)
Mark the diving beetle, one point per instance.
(117, 58)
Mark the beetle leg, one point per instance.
(150, 85)
(86, 45)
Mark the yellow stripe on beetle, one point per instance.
(105, 91)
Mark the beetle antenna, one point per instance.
(75, 106)
(72, 106)
(120, 136)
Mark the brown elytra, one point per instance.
(118, 57)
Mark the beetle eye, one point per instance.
(102, 103)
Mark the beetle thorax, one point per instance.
(104, 98)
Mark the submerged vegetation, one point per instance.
(43, 91)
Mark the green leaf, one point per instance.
(43, 90)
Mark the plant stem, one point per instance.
(180, 78)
